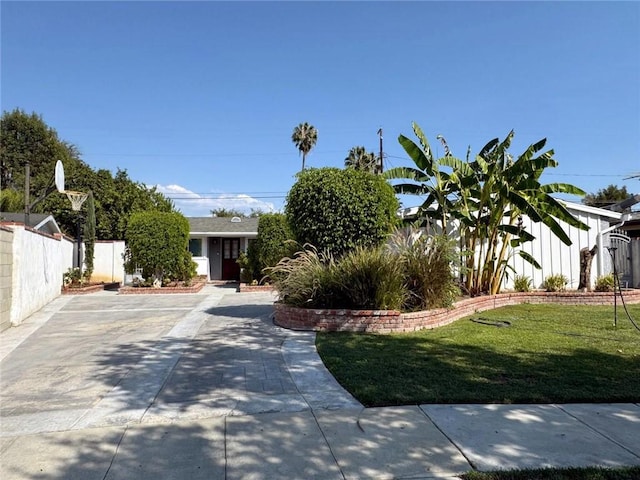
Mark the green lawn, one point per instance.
(625, 473)
(550, 353)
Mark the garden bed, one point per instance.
(91, 288)
(389, 321)
(131, 290)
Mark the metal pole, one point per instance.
(615, 293)
(79, 240)
(381, 157)
(27, 208)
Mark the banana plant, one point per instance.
(485, 197)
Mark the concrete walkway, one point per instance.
(205, 386)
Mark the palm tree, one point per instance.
(304, 137)
(360, 159)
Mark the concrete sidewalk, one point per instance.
(205, 386)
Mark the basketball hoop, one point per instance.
(76, 199)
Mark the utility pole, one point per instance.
(381, 163)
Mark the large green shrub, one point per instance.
(273, 243)
(338, 210)
(158, 243)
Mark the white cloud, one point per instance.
(197, 205)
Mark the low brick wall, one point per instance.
(388, 321)
(244, 287)
(195, 288)
(90, 288)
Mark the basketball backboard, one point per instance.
(59, 176)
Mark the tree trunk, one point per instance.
(586, 258)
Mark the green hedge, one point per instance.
(158, 243)
(337, 210)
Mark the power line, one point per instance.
(224, 197)
(169, 155)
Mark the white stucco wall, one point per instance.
(6, 269)
(108, 262)
(38, 267)
(203, 266)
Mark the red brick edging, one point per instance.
(388, 321)
(89, 289)
(195, 288)
(244, 287)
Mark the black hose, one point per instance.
(616, 282)
(493, 323)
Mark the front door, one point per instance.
(230, 253)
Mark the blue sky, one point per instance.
(201, 98)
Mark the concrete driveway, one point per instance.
(206, 387)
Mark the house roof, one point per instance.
(576, 207)
(601, 212)
(42, 222)
(223, 226)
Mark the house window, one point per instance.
(195, 247)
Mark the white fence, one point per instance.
(32, 266)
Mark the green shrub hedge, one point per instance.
(337, 210)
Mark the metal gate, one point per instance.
(621, 242)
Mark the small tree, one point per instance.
(606, 196)
(360, 159)
(340, 209)
(157, 243)
(89, 236)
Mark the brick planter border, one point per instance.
(195, 288)
(392, 321)
(90, 288)
(244, 287)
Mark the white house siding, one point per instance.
(37, 270)
(6, 268)
(556, 258)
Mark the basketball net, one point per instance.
(76, 199)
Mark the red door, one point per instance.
(230, 253)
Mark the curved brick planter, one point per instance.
(195, 288)
(90, 289)
(388, 321)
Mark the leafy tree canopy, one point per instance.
(359, 159)
(338, 209)
(233, 212)
(304, 137)
(606, 196)
(26, 137)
